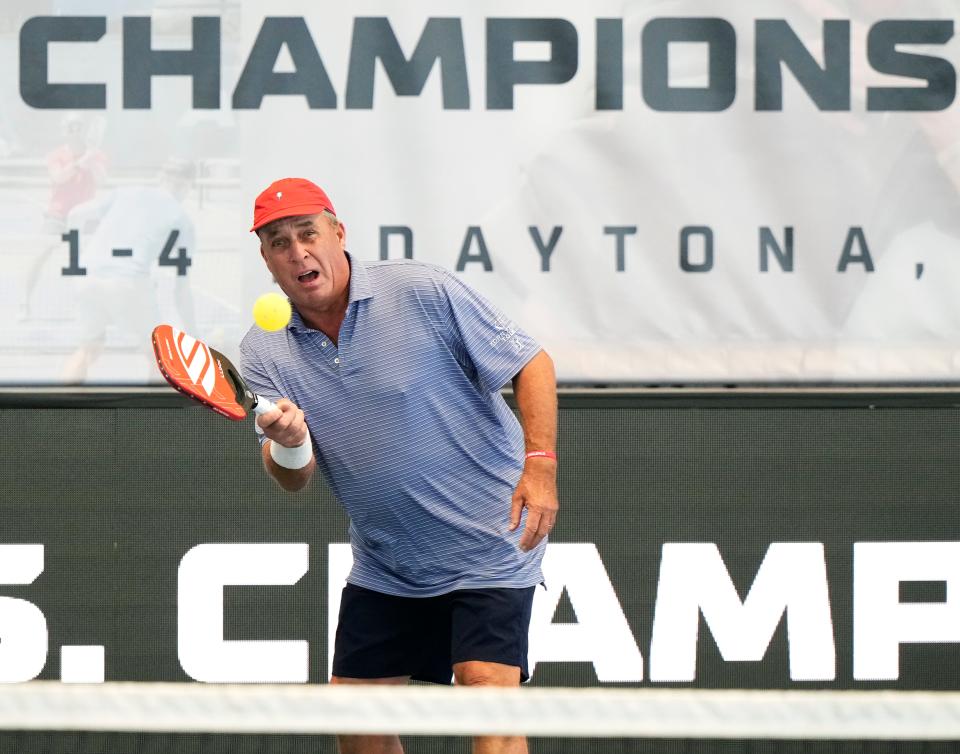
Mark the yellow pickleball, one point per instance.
(271, 311)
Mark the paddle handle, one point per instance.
(263, 405)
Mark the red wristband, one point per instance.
(542, 454)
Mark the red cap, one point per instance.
(289, 197)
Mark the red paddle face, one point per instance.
(201, 373)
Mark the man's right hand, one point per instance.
(286, 425)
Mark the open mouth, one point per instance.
(308, 277)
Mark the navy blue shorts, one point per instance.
(384, 636)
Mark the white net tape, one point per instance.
(686, 713)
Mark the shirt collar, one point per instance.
(359, 290)
(359, 281)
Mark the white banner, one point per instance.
(664, 191)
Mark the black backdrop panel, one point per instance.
(118, 495)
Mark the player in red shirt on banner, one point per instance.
(76, 169)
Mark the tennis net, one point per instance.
(428, 710)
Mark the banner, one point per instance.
(762, 546)
(776, 544)
(660, 192)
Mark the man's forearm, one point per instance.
(290, 479)
(535, 389)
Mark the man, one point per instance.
(76, 168)
(130, 290)
(388, 379)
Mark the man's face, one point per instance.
(306, 256)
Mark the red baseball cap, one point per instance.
(289, 197)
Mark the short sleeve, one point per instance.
(188, 235)
(253, 373)
(496, 347)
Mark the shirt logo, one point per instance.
(506, 333)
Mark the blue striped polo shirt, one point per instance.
(409, 427)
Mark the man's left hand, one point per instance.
(537, 492)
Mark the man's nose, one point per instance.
(296, 250)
